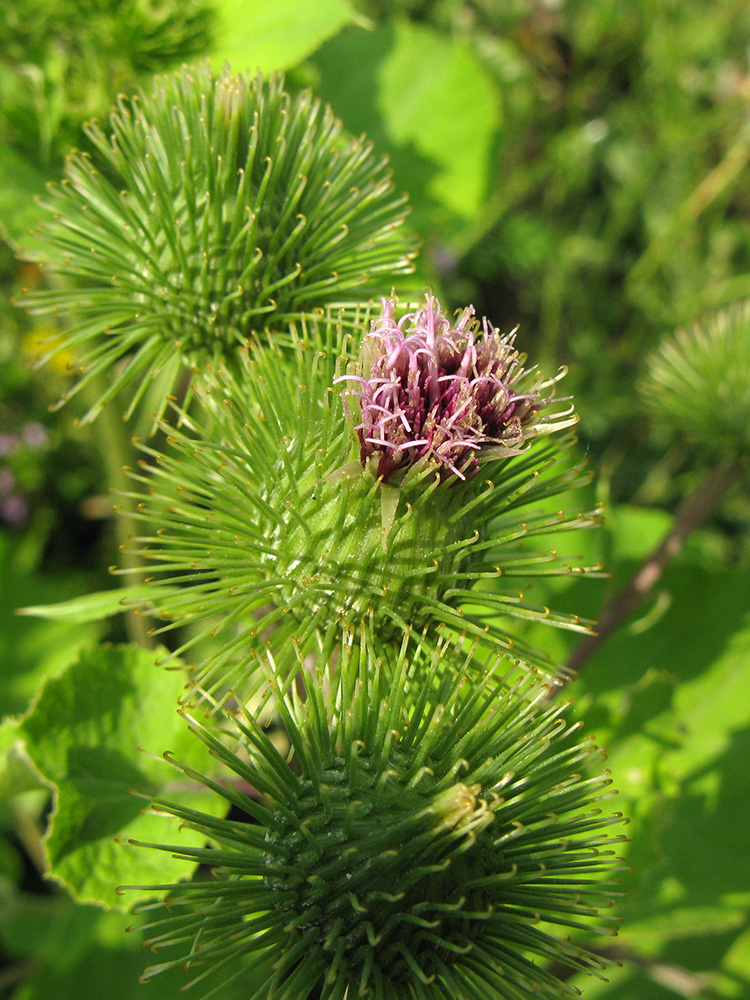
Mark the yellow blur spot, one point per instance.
(42, 342)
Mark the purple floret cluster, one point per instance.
(437, 390)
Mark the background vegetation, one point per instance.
(580, 169)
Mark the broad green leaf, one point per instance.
(52, 928)
(636, 531)
(31, 651)
(268, 35)
(735, 972)
(435, 97)
(84, 735)
(17, 773)
(672, 704)
(686, 770)
(423, 98)
(84, 953)
(92, 607)
(20, 184)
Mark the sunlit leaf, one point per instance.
(266, 35)
(31, 651)
(672, 702)
(423, 98)
(84, 735)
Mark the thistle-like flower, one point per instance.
(217, 208)
(426, 838)
(699, 381)
(263, 526)
(434, 390)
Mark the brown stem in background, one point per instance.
(683, 982)
(691, 513)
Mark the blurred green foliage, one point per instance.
(614, 198)
(578, 168)
(64, 61)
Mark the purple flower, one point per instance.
(9, 444)
(429, 389)
(13, 510)
(34, 435)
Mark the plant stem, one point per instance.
(691, 513)
(117, 453)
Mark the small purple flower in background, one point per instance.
(7, 482)
(34, 435)
(432, 389)
(14, 511)
(9, 443)
(13, 508)
(20, 472)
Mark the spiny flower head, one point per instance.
(438, 838)
(260, 525)
(216, 207)
(699, 381)
(443, 391)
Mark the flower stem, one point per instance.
(691, 513)
(117, 453)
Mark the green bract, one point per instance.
(425, 837)
(699, 381)
(217, 208)
(262, 524)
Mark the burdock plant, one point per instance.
(341, 518)
(216, 209)
(377, 492)
(428, 835)
(698, 381)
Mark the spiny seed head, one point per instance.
(698, 381)
(432, 389)
(216, 209)
(425, 838)
(262, 526)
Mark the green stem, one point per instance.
(692, 512)
(117, 453)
